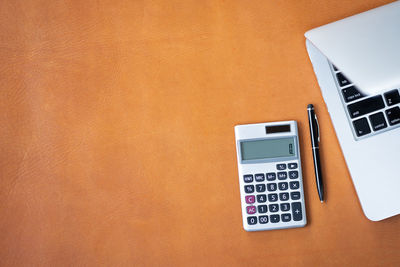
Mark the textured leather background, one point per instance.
(117, 140)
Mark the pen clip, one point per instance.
(316, 119)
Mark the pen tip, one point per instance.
(322, 201)
(310, 106)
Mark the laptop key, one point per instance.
(351, 93)
(365, 106)
(361, 126)
(392, 97)
(378, 121)
(393, 115)
(343, 81)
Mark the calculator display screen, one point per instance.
(267, 148)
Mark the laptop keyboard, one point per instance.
(368, 115)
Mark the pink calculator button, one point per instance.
(250, 199)
(251, 209)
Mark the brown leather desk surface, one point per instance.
(117, 140)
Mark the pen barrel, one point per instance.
(318, 173)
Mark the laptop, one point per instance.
(357, 64)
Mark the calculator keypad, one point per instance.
(281, 198)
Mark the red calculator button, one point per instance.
(251, 209)
(250, 199)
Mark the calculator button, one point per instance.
(259, 177)
(273, 197)
(285, 207)
(250, 199)
(261, 198)
(260, 188)
(251, 209)
(248, 178)
(294, 185)
(378, 121)
(262, 209)
(283, 186)
(271, 176)
(295, 195)
(296, 211)
(263, 219)
(393, 115)
(293, 174)
(271, 187)
(284, 196)
(252, 220)
(286, 217)
(249, 189)
(273, 207)
(361, 127)
(274, 218)
(282, 175)
(281, 167)
(292, 165)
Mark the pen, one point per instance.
(315, 139)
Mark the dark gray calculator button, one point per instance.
(273, 197)
(392, 97)
(248, 178)
(296, 211)
(263, 219)
(378, 121)
(282, 175)
(293, 174)
(262, 209)
(271, 176)
(294, 185)
(261, 198)
(285, 206)
(284, 196)
(281, 167)
(361, 127)
(249, 189)
(252, 220)
(260, 188)
(283, 186)
(295, 195)
(273, 207)
(393, 115)
(271, 187)
(292, 165)
(286, 217)
(259, 177)
(274, 218)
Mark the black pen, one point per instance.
(315, 138)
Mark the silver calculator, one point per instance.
(270, 178)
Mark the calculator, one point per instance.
(270, 178)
